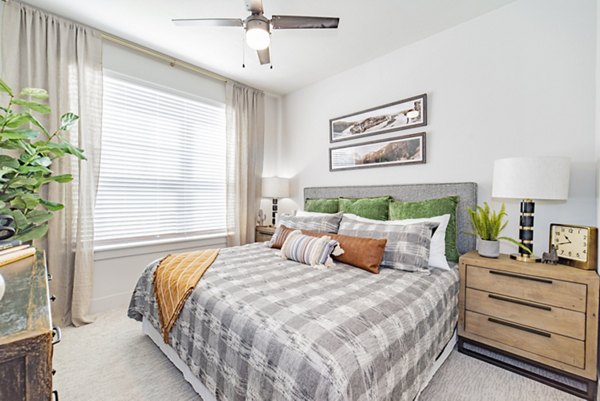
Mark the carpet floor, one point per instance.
(112, 359)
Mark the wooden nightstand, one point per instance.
(543, 315)
(264, 233)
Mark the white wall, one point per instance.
(514, 82)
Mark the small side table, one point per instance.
(264, 233)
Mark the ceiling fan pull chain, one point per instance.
(243, 51)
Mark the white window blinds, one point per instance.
(162, 172)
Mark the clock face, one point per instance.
(571, 242)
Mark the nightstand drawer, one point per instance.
(548, 318)
(549, 345)
(553, 292)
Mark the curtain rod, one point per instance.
(173, 61)
(161, 56)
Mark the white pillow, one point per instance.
(302, 213)
(437, 250)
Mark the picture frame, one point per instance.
(395, 151)
(389, 117)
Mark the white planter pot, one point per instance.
(2, 286)
(488, 249)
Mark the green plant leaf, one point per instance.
(44, 161)
(18, 134)
(23, 181)
(5, 88)
(39, 107)
(517, 243)
(32, 233)
(35, 93)
(39, 216)
(51, 206)
(20, 220)
(8, 161)
(2, 205)
(72, 150)
(60, 178)
(67, 120)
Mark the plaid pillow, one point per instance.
(321, 224)
(407, 246)
(313, 251)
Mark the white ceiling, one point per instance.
(367, 29)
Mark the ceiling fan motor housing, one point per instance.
(256, 21)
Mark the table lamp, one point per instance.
(529, 179)
(275, 188)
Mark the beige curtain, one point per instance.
(45, 51)
(245, 137)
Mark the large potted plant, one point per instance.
(487, 226)
(27, 153)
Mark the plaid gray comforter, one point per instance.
(258, 327)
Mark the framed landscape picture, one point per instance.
(403, 114)
(408, 149)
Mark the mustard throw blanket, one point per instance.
(174, 279)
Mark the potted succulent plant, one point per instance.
(27, 152)
(487, 226)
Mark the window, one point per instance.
(162, 172)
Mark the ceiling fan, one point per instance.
(258, 27)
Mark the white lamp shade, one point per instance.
(275, 187)
(536, 178)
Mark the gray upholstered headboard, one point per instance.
(466, 191)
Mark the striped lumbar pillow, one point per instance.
(279, 237)
(312, 251)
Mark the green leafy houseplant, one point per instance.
(488, 224)
(27, 151)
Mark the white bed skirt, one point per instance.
(206, 395)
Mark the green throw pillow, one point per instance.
(376, 208)
(322, 205)
(431, 208)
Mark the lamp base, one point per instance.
(525, 258)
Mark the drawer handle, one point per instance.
(55, 395)
(516, 326)
(56, 333)
(539, 280)
(519, 302)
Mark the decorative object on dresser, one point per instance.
(575, 246)
(407, 149)
(264, 233)
(529, 179)
(487, 226)
(537, 320)
(26, 333)
(403, 114)
(275, 188)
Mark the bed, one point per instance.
(258, 327)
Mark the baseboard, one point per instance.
(114, 301)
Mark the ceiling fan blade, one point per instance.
(298, 22)
(254, 6)
(208, 22)
(264, 56)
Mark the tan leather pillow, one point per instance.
(364, 253)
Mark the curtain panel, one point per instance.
(245, 108)
(45, 51)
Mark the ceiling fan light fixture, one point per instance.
(258, 38)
